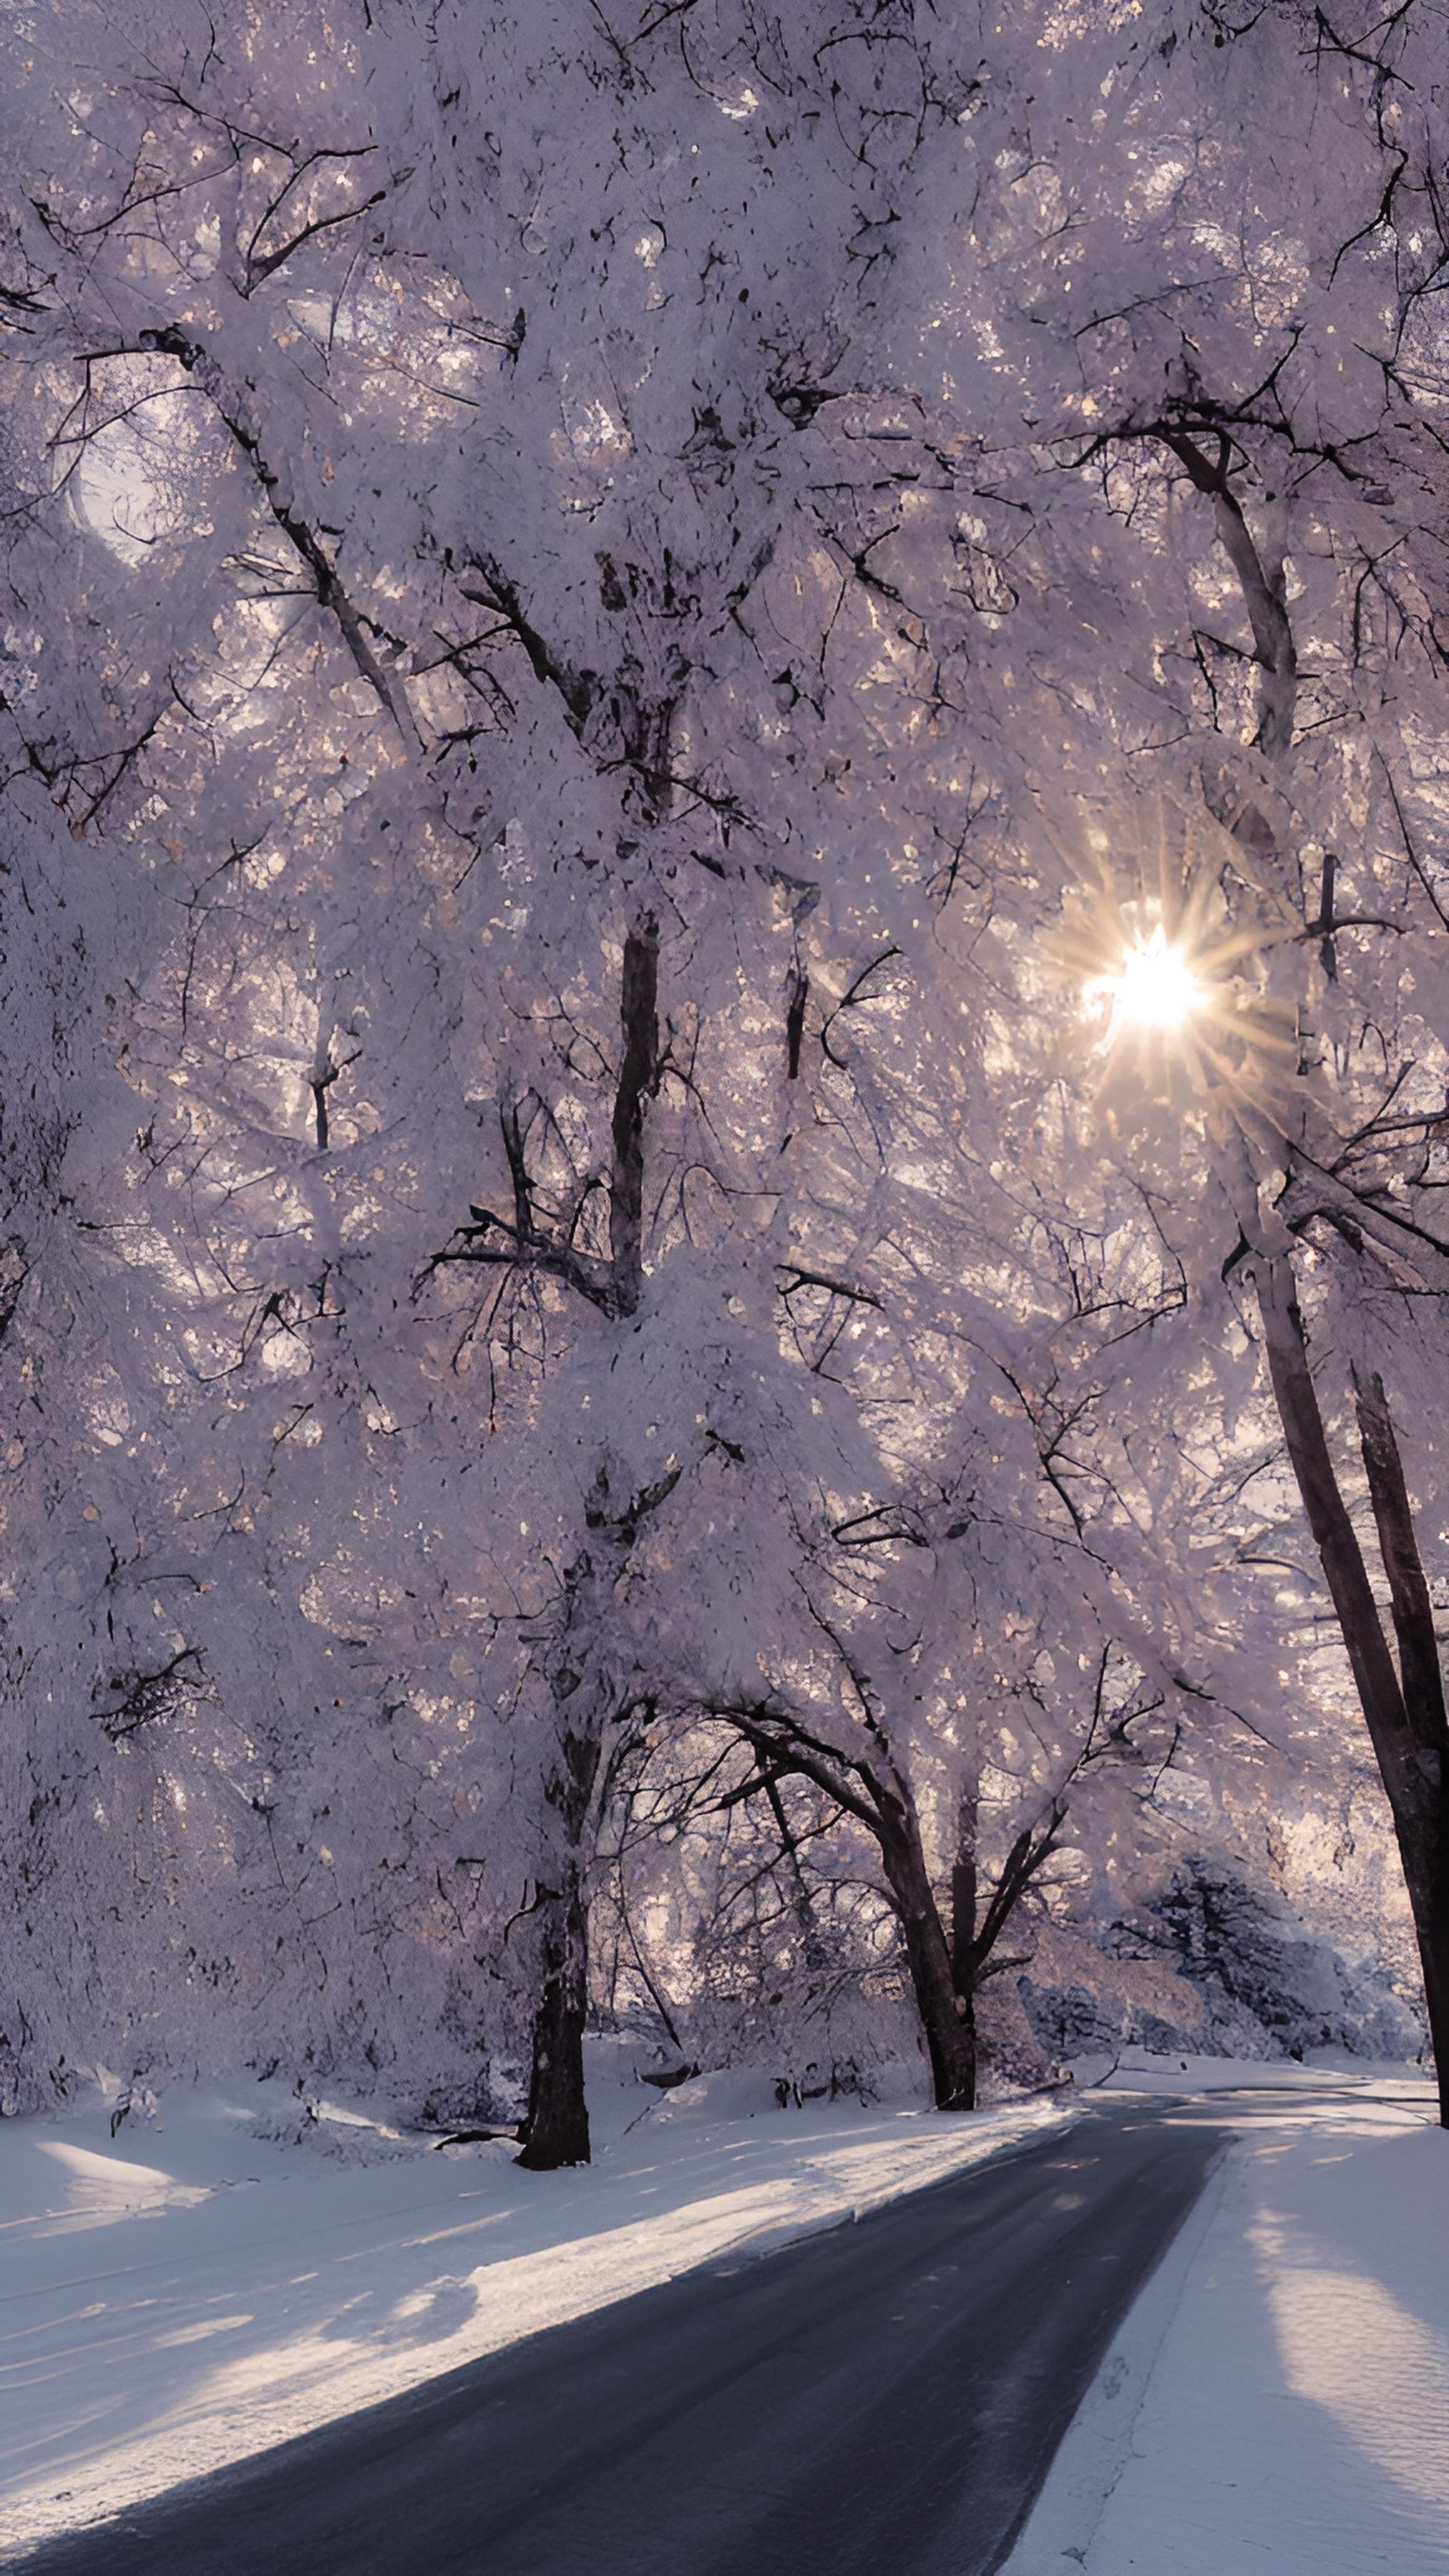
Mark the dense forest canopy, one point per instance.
(634, 1378)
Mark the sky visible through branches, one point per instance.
(724, 807)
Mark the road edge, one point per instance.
(777, 2235)
(1093, 2451)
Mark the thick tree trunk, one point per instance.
(557, 2128)
(1406, 1721)
(1423, 1825)
(556, 2131)
(947, 2011)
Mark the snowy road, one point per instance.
(886, 2397)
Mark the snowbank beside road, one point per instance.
(1278, 2398)
(198, 2289)
(190, 2292)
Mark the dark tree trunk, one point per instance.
(594, 1707)
(945, 1968)
(947, 2011)
(639, 1023)
(1421, 1818)
(1405, 1718)
(1404, 1709)
(556, 2131)
(557, 2128)
(963, 1916)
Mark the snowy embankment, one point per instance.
(1278, 2397)
(195, 2289)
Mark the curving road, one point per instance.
(880, 2401)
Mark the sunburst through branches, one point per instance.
(1166, 953)
(1155, 988)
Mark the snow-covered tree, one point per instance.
(618, 602)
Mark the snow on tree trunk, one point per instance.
(599, 1707)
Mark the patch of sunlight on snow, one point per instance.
(1347, 2345)
(364, 2278)
(100, 2190)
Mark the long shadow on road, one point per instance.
(880, 2401)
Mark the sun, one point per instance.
(1164, 942)
(1155, 987)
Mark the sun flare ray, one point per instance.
(1166, 955)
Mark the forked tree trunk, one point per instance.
(947, 1970)
(945, 1967)
(946, 2007)
(1404, 1710)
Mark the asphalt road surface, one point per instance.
(880, 2401)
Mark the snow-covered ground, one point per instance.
(191, 2291)
(1278, 2398)
(209, 2282)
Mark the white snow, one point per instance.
(191, 2292)
(1278, 2398)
